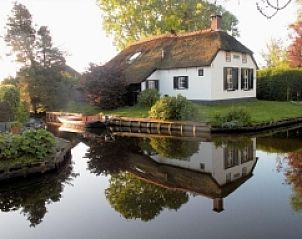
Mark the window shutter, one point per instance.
(175, 82)
(251, 78)
(156, 85)
(225, 78)
(147, 85)
(235, 78)
(242, 77)
(187, 82)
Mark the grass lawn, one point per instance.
(261, 111)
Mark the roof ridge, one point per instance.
(172, 36)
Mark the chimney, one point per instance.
(216, 22)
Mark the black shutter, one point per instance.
(156, 85)
(235, 78)
(175, 82)
(147, 84)
(186, 82)
(251, 78)
(225, 85)
(242, 77)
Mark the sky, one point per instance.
(76, 27)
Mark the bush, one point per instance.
(281, 84)
(148, 97)
(173, 108)
(235, 118)
(32, 144)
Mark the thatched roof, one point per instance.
(173, 51)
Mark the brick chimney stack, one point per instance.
(216, 22)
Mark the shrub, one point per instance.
(235, 118)
(33, 144)
(279, 84)
(148, 97)
(173, 108)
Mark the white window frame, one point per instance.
(229, 78)
(228, 56)
(244, 58)
(245, 79)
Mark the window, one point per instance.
(247, 79)
(244, 58)
(202, 166)
(228, 56)
(237, 57)
(200, 72)
(152, 84)
(181, 82)
(230, 157)
(134, 56)
(230, 78)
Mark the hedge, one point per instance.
(282, 84)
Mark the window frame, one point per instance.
(181, 82)
(201, 70)
(156, 84)
(247, 79)
(228, 56)
(230, 78)
(244, 58)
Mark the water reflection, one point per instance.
(288, 146)
(33, 194)
(150, 174)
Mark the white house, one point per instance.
(207, 65)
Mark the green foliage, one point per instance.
(137, 199)
(22, 114)
(174, 148)
(104, 88)
(11, 95)
(32, 144)
(129, 21)
(173, 108)
(148, 97)
(235, 118)
(279, 84)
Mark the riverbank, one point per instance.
(262, 112)
(16, 169)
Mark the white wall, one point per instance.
(218, 93)
(199, 86)
(212, 158)
(208, 87)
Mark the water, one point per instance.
(134, 187)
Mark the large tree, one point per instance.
(20, 34)
(42, 79)
(275, 54)
(295, 49)
(131, 20)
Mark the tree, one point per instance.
(129, 21)
(10, 94)
(295, 49)
(276, 54)
(20, 34)
(103, 88)
(47, 55)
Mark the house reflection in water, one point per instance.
(214, 171)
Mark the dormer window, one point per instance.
(134, 56)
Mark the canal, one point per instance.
(129, 186)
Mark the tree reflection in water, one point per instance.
(132, 197)
(137, 199)
(32, 195)
(287, 144)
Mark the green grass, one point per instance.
(261, 111)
